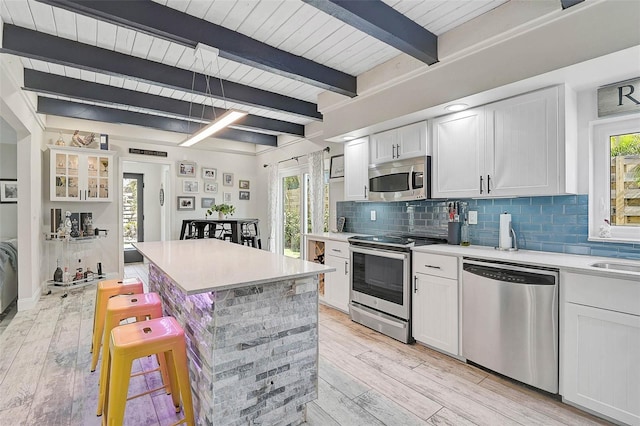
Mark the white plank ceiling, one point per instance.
(289, 25)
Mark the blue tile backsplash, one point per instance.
(556, 224)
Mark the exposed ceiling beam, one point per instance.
(110, 115)
(568, 3)
(33, 44)
(53, 84)
(384, 23)
(170, 24)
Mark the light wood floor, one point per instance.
(365, 378)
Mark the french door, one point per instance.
(294, 210)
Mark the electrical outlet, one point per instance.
(473, 217)
(373, 215)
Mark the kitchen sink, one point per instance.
(617, 266)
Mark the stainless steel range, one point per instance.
(381, 282)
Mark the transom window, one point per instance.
(614, 198)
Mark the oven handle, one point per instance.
(380, 252)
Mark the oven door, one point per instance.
(380, 280)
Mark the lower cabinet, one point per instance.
(336, 284)
(435, 301)
(601, 346)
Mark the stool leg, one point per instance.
(173, 378)
(98, 329)
(104, 367)
(162, 363)
(179, 358)
(120, 370)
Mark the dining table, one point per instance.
(200, 226)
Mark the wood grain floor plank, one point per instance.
(398, 392)
(460, 404)
(316, 416)
(344, 410)
(348, 344)
(562, 413)
(348, 385)
(446, 417)
(16, 416)
(388, 412)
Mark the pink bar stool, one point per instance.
(142, 307)
(136, 340)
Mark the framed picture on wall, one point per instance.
(210, 187)
(243, 184)
(186, 169)
(244, 195)
(8, 191)
(209, 173)
(226, 197)
(227, 179)
(190, 186)
(336, 170)
(186, 203)
(205, 203)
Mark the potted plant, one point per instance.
(222, 209)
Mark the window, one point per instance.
(614, 191)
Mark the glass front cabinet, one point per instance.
(81, 174)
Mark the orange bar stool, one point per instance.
(106, 290)
(136, 340)
(142, 307)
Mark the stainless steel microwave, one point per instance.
(402, 180)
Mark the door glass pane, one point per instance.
(625, 179)
(129, 211)
(292, 199)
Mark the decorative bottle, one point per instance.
(57, 275)
(464, 234)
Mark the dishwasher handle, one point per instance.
(511, 274)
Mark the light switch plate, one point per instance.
(373, 215)
(473, 217)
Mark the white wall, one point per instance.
(8, 170)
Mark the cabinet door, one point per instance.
(458, 155)
(599, 367)
(356, 169)
(435, 312)
(412, 140)
(65, 176)
(99, 177)
(524, 132)
(336, 286)
(384, 146)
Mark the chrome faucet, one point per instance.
(515, 238)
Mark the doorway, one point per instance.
(294, 212)
(132, 215)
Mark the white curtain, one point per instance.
(273, 206)
(316, 189)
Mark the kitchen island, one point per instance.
(251, 322)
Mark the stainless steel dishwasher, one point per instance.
(510, 321)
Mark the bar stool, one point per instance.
(251, 234)
(142, 307)
(105, 290)
(136, 340)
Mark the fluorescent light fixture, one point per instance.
(348, 138)
(456, 107)
(231, 116)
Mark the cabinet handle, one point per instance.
(393, 151)
(415, 283)
(481, 184)
(338, 250)
(398, 150)
(432, 267)
(365, 192)
(488, 184)
(346, 268)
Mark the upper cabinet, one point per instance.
(80, 174)
(514, 147)
(356, 169)
(401, 143)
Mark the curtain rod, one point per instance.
(327, 149)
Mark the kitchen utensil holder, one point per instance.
(453, 234)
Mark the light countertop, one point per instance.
(209, 264)
(335, 236)
(572, 262)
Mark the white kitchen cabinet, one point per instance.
(336, 284)
(398, 144)
(514, 147)
(601, 345)
(434, 315)
(458, 154)
(81, 174)
(356, 169)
